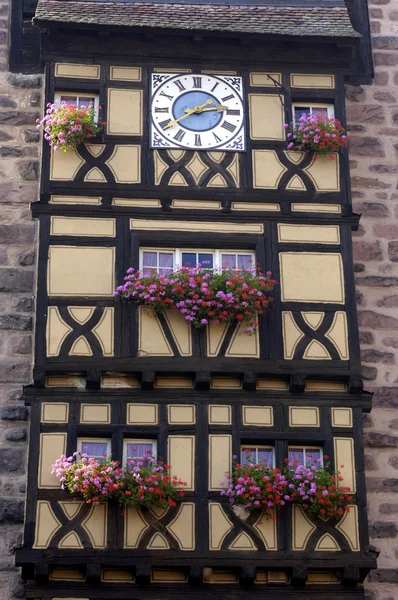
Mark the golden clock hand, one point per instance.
(218, 108)
(189, 111)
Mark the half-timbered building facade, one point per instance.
(108, 375)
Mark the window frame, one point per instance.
(177, 254)
(257, 446)
(306, 449)
(81, 440)
(139, 441)
(329, 107)
(79, 94)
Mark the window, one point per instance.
(138, 448)
(165, 261)
(257, 454)
(94, 448)
(80, 100)
(306, 455)
(311, 109)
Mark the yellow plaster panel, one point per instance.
(81, 271)
(272, 384)
(168, 576)
(266, 117)
(226, 383)
(56, 331)
(81, 347)
(137, 202)
(47, 524)
(183, 526)
(256, 206)
(321, 208)
(267, 530)
(325, 172)
(196, 204)
(220, 415)
(242, 344)
(311, 81)
(95, 176)
(73, 381)
(67, 574)
(260, 416)
(181, 457)
(77, 71)
(213, 72)
(311, 277)
(142, 414)
(242, 542)
(196, 167)
(291, 333)
(117, 576)
(52, 445)
(65, 165)
(341, 417)
(173, 382)
(54, 412)
(220, 456)
(316, 351)
(125, 163)
(309, 234)
(152, 340)
(325, 386)
(215, 337)
(345, 462)
(71, 541)
(180, 330)
(75, 200)
(134, 527)
(83, 226)
(196, 226)
(124, 111)
(338, 334)
(104, 331)
(125, 73)
(181, 414)
(327, 544)
(219, 526)
(96, 525)
(349, 528)
(263, 79)
(322, 578)
(302, 528)
(119, 381)
(304, 416)
(95, 413)
(267, 169)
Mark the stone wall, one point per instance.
(20, 103)
(372, 113)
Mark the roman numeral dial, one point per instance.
(197, 111)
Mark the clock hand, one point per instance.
(219, 108)
(189, 111)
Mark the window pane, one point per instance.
(247, 455)
(228, 261)
(265, 455)
(85, 102)
(139, 450)
(149, 259)
(95, 449)
(206, 260)
(296, 455)
(312, 455)
(245, 261)
(166, 260)
(69, 100)
(189, 259)
(299, 111)
(320, 111)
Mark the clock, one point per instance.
(197, 112)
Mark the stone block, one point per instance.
(25, 81)
(375, 356)
(12, 371)
(367, 251)
(28, 169)
(13, 413)
(377, 281)
(16, 280)
(17, 234)
(365, 146)
(383, 529)
(20, 322)
(30, 136)
(388, 301)
(366, 337)
(393, 251)
(11, 459)
(16, 434)
(365, 113)
(391, 342)
(374, 320)
(375, 439)
(11, 512)
(369, 373)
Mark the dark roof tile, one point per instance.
(273, 20)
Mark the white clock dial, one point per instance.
(197, 112)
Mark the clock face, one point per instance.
(197, 112)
